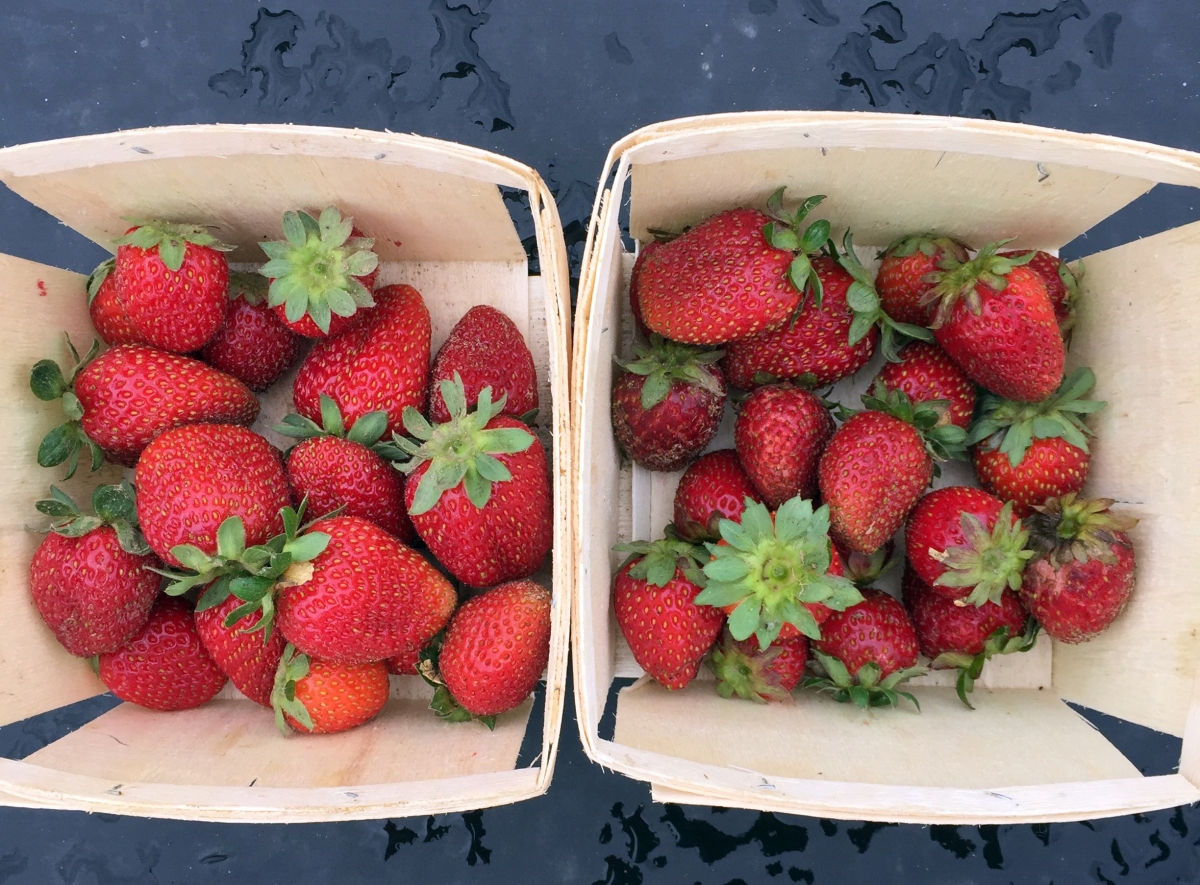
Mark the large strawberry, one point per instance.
(1062, 285)
(486, 349)
(320, 697)
(903, 268)
(478, 490)
(171, 284)
(714, 487)
(667, 404)
(105, 309)
(252, 344)
(116, 403)
(780, 434)
(321, 273)
(380, 364)
(925, 373)
(249, 657)
(745, 670)
(91, 577)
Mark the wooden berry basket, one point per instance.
(1023, 755)
(439, 220)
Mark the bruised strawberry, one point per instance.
(780, 434)
(252, 344)
(714, 487)
(903, 268)
(487, 350)
(927, 374)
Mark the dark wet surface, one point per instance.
(555, 90)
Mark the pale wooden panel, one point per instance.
(1135, 330)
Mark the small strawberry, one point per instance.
(1083, 573)
(966, 544)
(321, 273)
(745, 670)
(116, 403)
(780, 434)
(903, 267)
(91, 577)
(1062, 285)
(171, 282)
(654, 597)
(247, 656)
(667, 404)
(252, 344)
(319, 697)
(165, 665)
(105, 309)
(1028, 453)
(487, 350)
(714, 487)
(926, 374)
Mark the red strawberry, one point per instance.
(192, 478)
(714, 487)
(478, 490)
(165, 665)
(780, 433)
(494, 652)
(118, 402)
(90, 577)
(321, 273)
(927, 374)
(380, 364)
(995, 320)
(1083, 575)
(903, 267)
(743, 669)
(1062, 285)
(667, 405)
(247, 656)
(320, 697)
(105, 310)
(966, 544)
(171, 284)
(252, 344)
(487, 350)
(654, 597)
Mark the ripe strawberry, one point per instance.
(165, 665)
(966, 544)
(927, 374)
(105, 310)
(1084, 571)
(745, 670)
(91, 577)
(667, 405)
(380, 364)
(321, 273)
(903, 267)
(252, 344)
(493, 654)
(311, 695)
(191, 478)
(1028, 453)
(995, 320)
(780, 433)
(478, 490)
(487, 350)
(714, 487)
(249, 657)
(1062, 285)
(171, 284)
(654, 597)
(116, 403)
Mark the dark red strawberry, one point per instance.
(252, 344)
(745, 670)
(321, 697)
(1062, 285)
(487, 350)
(780, 434)
(714, 487)
(249, 657)
(927, 374)
(903, 267)
(105, 310)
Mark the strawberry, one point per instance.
(165, 665)
(494, 652)
(966, 544)
(635, 301)
(478, 490)
(745, 670)
(779, 434)
(487, 350)
(321, 273)
(1062, 285)
(667, 404)
(191, 478)
(381, 363)
(252, 344)
(247, 656)
(1028, 453)
(171, 282)
(333, 469)
(91, 577)
(105, 310)
(654, 598)
(927, 374)
(736, 274)
(714, 487)
(995, 320)
(903, 267)
(1083, 573)
(116, 403)
(322, 697)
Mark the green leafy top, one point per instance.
(957, 280)
(97, 277)
(865, 304)
(664, 362)
(292, 668)
(443, 703)
(113, 505)
(987, 561)
(865, 688)
(770, 565)
(943, 441)
(170, 239)
(250, 287)
(657, 561)
(313, 269)
(1074, 528)
(785, 233)
(971, 666)
(928, 244)
(1012, 427)
(744, 670)
(67, 440)
(367, 430)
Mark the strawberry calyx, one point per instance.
(865, 688)
(664, 362)
(784, 232)
(657, 561)
(928, 244)
(988, 561)
(367, 431)
(313, 269)
(293, 667)
(443, 702)
(863, 300)
(971, 666)
(864, 569)
(66, 441)
(958, 280)
(97, 277)
(1011, 427)
(112, 505)
(1073, 528)
(460, 450)
(169, 239)
(249, 287)
(769, 566)
(745, 671)
(943, 439)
